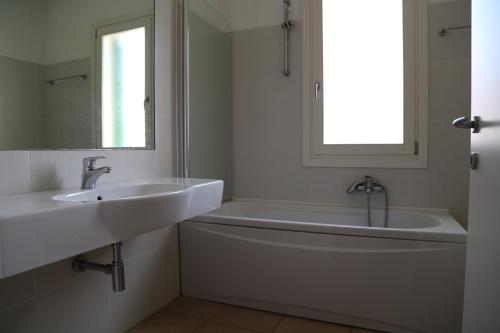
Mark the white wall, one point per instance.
(268, 124)
(210, 102)
(59, 30)
(20, 40)
(53, 298)
(69, 24)
(250, 14)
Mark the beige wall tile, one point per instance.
(61, 300)
(140, 297)
(55, 169)
(139, 245)
(80, 306)
(267, 152)
(168, 263)
(19, 318)
(53, 278)
(17, 289)
(14, 171)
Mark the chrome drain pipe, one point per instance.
(116, 269)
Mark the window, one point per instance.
(124, 76)
(365, 83)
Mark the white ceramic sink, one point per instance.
(39, 228)
(119, 192)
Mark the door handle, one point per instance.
(317, 87)
(474, 161)
(466, 122)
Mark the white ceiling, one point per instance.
(234, 15)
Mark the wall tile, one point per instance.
(19, 318)
(139, 245)
(59, 275)
(17, 289)
(130, 164)
(68, 120)
(15, 168)
(456, 44)
(58, 170)
(81, 306)
(56, 299)
(130, 248)
(20, 118)
(268, 125)
(140, 298)
(168, 263)
(85, 300)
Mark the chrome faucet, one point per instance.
(90, 174)
(369, 185)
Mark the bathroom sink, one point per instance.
(40, 228)
(120, 192)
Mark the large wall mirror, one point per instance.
(76, 74)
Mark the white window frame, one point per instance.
(146, 22)
(413, 152)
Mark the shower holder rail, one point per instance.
(287, 25)
(66, 78)
(444, 31)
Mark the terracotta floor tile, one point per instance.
(189, 315)
(297, 325)
(167, 322)
(362, 330)
(210, 327)
(259, 321)
(194, 307)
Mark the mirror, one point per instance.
(76, 74)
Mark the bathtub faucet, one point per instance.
(369, 185)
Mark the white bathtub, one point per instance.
(323, 262)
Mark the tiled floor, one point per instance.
(189, 315)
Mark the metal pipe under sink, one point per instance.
(116, 269)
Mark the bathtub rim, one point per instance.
(448, 231)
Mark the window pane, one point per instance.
(363, 72)
(123, 88)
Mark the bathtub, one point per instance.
(323, 262)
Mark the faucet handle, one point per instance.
(89, 162)
(374, 184)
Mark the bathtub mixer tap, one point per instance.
(369, 185)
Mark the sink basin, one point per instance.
(39, 228)
(119, 192)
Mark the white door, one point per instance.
(482, 289)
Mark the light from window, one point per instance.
(123, 88)
(363, 72)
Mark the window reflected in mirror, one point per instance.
(78, 76)
(124, 98)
